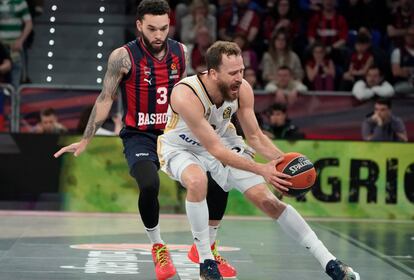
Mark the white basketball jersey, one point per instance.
(177, 132)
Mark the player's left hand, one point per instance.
(75, 148)
(278, 179)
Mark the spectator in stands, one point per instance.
(279, 16)
(402, 18)
(249, 55)
(355, 14)
(203, 42)
(36, 7)
(15, 25)
(173, 25)
(331, 29)
(285, 88)
(183, 8)
(402, 62)
(373, 85)
(198, 17)
(280, 126)
(382, 125)
(5, 68)
(5, 64)
(49, 123)
(320, 69)
(111, 127)
(280, 54)
(359, 13)
(310, 6)
(242, 17)
(361, 60)
(381, 56)
(251, 77)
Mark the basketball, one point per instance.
(302, 171)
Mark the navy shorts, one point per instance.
(140, 146)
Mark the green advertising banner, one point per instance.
(355, 180)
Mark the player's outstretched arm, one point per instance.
(254, 135)
(118, 64)
(189, 107)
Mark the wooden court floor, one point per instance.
(56, 245)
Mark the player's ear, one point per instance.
(138, 23)
(213, 73)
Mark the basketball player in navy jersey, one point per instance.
(146, 70)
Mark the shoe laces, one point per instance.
(216, 254)
(339, 270)
(162, 255)
(212, 269)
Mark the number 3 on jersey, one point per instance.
(162, 95)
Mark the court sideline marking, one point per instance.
(399, 266)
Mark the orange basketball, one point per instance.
(302, 171)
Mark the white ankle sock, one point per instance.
(213, 233)
(154, 234)
(197, 213)
(295, 226)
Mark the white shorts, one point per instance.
(175, 160)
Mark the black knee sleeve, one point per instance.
(216, 199)
(146, 175)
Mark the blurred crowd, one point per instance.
(362, 46)
(16, 36)
(289, 46)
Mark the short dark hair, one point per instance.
(284, 67)
(47, 112)
(318, 44)
(215, 53)
(384, 101)
(152, 7)
(363, 38)
(375, 67)
(278, 107)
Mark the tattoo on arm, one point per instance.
(118, 64)
(93, 125)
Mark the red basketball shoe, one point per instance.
(164, 267)
(226, 269)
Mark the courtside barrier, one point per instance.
(355, 180)
(9, 107)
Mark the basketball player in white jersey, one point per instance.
(199, 138)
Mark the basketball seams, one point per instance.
(293, 159)
(287, 164)
(303, 173)
(297, 166)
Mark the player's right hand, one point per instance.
(278, 179)
(75, 148)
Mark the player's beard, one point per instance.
(153, 50)
(226, 91)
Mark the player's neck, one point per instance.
(212, 90)
(159, 55)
